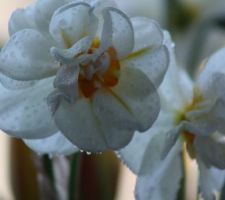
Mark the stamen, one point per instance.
(104, 72)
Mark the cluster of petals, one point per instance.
(79, 74)
(191, 120)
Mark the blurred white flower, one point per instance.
(192, 117)
(96, 69)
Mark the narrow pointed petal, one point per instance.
(138, 145)
(211, 150)
(22, 111)
(211, 181)
(27, 56)
(172, 94)
(55, 144)
(208, 80)
(159, 179)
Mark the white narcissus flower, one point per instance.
(96, 69)
(192, 118)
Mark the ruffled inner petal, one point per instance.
(72, 22)
(147, 33)
(121, 33)
(44, 10)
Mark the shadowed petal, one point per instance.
(24, 113)
(55, 144)
(211, 181)
(153, 62)
(79, 124)
(138, 145)
(159, 179)
(140, 96)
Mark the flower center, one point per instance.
(100, 72)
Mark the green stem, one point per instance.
(49, 172)
(181, 195)
(74, 178)
(222, 196)
(47, 164)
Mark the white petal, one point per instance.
(175, 91)
(153, 62)
(115, 119)
(208, 117)
(55, 144)
(22, 19)
(14, 84)
(134, 152)
(176, 88)
(66, 82)
(44, 10)
(211, 150)
(122, 31)
(24, 113)
(210, 181)
(99, 5)
(67, 55)
(70, 23)
(207, 79)
(160, 179)
(139, 95)
(147, 33)
(172, 136)
(27, 56)
(79, 124)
